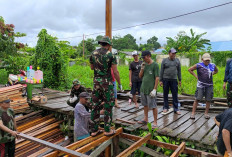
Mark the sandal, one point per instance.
(142, 122)
(154, 126)
(207, 116)
(192, 117)
(96, 133)
(111, 133)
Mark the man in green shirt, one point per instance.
(150, 78)
(7, 128)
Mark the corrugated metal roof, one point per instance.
(220, 46)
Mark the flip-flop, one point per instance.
(154, 126)
(98, 132)
(207, 116)
(142, 122)
(111, 133)
(192, 117)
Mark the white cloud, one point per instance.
(75, 18)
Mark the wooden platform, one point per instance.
(201, 131)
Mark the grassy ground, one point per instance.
(85, 75)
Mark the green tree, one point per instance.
(126, 42)
(184, 43)
(89, 47)
(153, 41)
(50, 59)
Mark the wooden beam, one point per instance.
(146, 150)
(51, 145)
(109, 18)
(135, 146)
(167, 145)
(97, 142)
(108, 151)
(179, 150)
(101, 148)
(125, 121)
(75, 145)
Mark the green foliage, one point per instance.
(89, 47)
(3, 76)
(14, 64)
(154, 42)
(126, 42)
(52, 62)
(7, 44)
(184, 43)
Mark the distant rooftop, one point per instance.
(220, 46)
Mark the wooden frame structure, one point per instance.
(110, 146)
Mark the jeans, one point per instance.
(173, 85)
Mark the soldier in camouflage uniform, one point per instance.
(101, 61)
(74, 95)
(7, 128)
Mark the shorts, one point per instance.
(146, 100)
(115, 89)
(135, 87)
(206, 92)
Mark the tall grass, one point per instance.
(85, 75)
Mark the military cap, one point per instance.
(76, 82)
(105, 39)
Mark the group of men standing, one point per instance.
(144, 77)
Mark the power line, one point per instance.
(166, 19)
(156, 21)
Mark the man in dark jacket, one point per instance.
(224, 122)
(75, 91)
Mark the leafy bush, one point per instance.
(3, 76)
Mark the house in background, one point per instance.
(220, 46)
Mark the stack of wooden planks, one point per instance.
(18, 103)
(45, 128)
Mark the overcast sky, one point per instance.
(72, 18)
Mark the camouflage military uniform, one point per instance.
(76, 93)
(102, 60)
(7, 142)
(229, 94)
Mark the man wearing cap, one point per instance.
(150, 78)
(205, 72)
(75, 91)
(82, 117)
(135, 81)
(228, 78)
(101, 61)
(224, 140)
(169, 73)
(8, 128)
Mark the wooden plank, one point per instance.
(125, 121)
(193, 128)
(98, 142)
(184, 126)
(146, 150)
(129, 107)
(211, 137)
(101, 148)
(174, 124)
(203, 130)
(76, 145)
(135, 146)
(187, 150)
(179, 150)
(51, 145)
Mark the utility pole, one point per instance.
(109, 19)
(83, 45)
